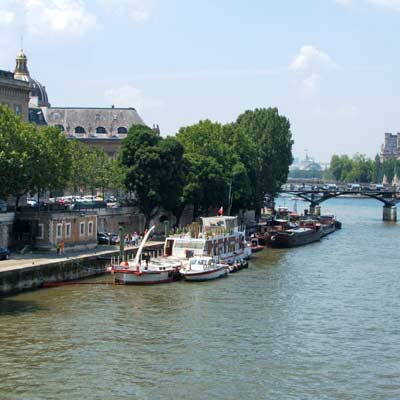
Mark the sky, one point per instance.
(330, 66)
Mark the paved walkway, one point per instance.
(19, 261)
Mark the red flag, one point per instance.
(221, 211)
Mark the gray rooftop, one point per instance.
(96, 122)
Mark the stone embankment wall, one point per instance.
(6, 223)
(27, 278)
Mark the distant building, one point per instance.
(14, 93)
(391, 147)
(308, 164)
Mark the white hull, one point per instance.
(195, 276)
(144, 277)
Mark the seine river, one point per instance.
(316, 322)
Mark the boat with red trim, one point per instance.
(255, 245)
(145, 271)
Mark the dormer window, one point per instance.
(122, 129)
(101, 129)
(79, 129)
(60, 127)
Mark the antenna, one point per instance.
(22, 42)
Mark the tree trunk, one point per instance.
(147, 218)
(16, 202)
(178, 214)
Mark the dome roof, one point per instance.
(39, 91)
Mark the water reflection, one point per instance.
(10, 307)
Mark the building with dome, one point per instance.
(103, 127)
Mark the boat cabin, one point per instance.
(219, 236)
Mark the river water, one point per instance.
(315, 322)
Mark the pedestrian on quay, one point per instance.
(58, 248)
(62, 246)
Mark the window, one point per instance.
(79, 129)
(81, 229)
(122, 129)
(90, 228)
(40, 233)
(60, 127)
(59, 231)
(101, 129)
(68, 230)
(17, 109)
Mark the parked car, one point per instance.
(31, 202)
(88, 205)
(107, 238)
(4, 253)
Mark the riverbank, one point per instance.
(31, 271)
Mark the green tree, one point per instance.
(376, 175)
(31, 160)
(17, 158)
(172, 176)
(269, 151)
(209, 163)
(152, 169)
(53, 160)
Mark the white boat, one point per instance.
(138, 272)
(203, 269)
(218, 237)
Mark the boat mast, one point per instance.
(139, 252)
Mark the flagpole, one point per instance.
(229, 198)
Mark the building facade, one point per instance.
(390, 149)
(15, 94)
(100, 127)
(45, 230)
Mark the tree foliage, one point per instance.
(268, 153)
(153, 169)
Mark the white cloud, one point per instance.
(391, 4)
(311, 64)
(125, 96)
(67, 17)
(59, 16)
(6, 17)
(137, 10)
(309, 58)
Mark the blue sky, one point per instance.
(330, 66)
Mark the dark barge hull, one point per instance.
(327, 229)
(293, 239)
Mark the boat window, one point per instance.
(188, 245)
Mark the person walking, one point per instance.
(62, 246)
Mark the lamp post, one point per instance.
(121, 232)
(166, 228)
